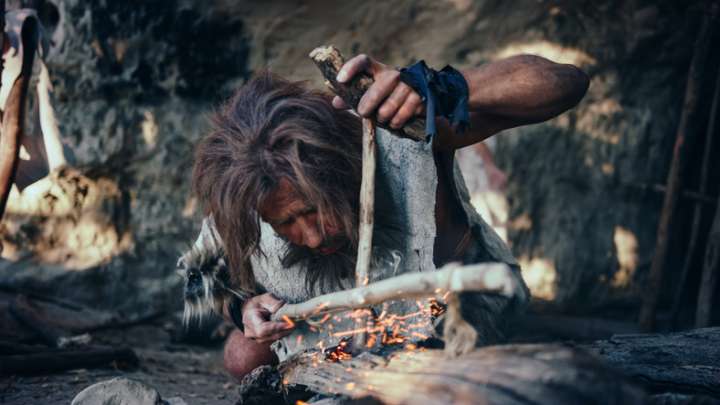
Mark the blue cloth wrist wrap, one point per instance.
(445, 94)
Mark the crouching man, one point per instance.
(279, 178)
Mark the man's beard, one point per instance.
(335, 271)
(325, 272)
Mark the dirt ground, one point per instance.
(194, 373)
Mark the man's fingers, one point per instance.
(393, 103)
(272, 328)
(407, 111)
(339, 103)
(359, 63)
(253, 321)
(384, 84)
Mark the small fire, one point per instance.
(339, 353)
(385, 329)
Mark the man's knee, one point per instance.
(243, 355)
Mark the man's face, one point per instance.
(297, 222)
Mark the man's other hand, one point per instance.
(389, 100)
(256, 319)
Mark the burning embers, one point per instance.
(385, 332)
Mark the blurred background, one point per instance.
(578, 198)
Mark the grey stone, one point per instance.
(118, 391)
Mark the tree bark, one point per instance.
(683, 140)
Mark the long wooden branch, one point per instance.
(367, 204)
(329, 60)
(366, 220)
(494, 278)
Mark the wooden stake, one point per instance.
(674, 182)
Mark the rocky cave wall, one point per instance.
(134, 83)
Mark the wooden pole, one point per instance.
(683, 140)
(699, 206)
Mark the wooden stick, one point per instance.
(56, 361)
(494, 278)
(698, 207)
(329, 60)
(683, 138)
(367, 202)
(14, 113)
(710, 274)
(367, 212)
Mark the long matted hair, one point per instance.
(269, 130)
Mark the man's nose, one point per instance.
(310, 234)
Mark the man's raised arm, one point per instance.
(519, 90)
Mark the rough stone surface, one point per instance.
(118, 391)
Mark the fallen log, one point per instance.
(513, 374)
(685, 362)
(616, 371)
(62, 360)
